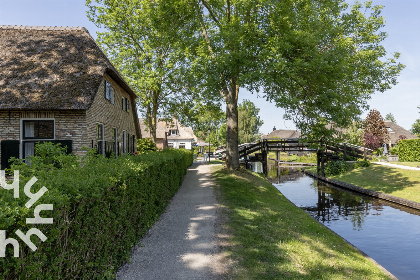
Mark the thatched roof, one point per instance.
(283, 133)
(162, 127)
(395, 131)
(51, 68)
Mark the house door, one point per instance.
(9, 148)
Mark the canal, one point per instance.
(387, 232)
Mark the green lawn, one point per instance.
(394, 181)
(270, 238)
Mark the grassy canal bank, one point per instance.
(270, 238)
(389, 180)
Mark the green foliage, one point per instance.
(394, 150)
(249, 122)
(390, 117)
(145, 145)
(354, 134)
(334, 168)
(409, 150)
(102, 207)
(415, 129)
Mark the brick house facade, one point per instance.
(57, 85)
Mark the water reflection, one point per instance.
(387, 232)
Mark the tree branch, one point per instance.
(211, 12)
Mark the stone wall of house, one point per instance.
(110, 115)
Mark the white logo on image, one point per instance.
(33, 198)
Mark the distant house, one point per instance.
(282, 133)
(170, 134)
(396, 133)
(161, 133)
(57, 85)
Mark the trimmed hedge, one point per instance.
(409, 150)
(101, 209)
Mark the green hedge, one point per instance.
(101, 209)
(409, 150)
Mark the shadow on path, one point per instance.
(182, 244)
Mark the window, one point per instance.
(115, 139)
(128, 143)
(125, 104)
(173, 132)
(38, 129)
(182, 145)
(109, 92)
(170, 145)
(100, 131)
(100, 138)
(134, 143)
(124, 139)
(33, 131)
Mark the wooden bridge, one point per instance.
(258, 151)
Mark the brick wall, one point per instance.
(110, 115)
(69, 125)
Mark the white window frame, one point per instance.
(124, 136)
(22, 141)
(109, 92)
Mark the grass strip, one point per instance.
(394, 181)
(412, 164)
(270, 238)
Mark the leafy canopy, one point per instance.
(249, 122)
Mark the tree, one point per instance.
(390, 117)
(205, 117)
(354, 133)
(249, 122)
(317, 59)
(415, 129)
(146, 57)
(375, 132)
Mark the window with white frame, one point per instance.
(109, 92)
(173, 132)
(170, 145)
(182, 145)
(124, 139)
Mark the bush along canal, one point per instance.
(387, 232)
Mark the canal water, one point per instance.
(387, 232)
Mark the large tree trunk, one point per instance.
(232, 154)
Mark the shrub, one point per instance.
(336, 168)
(409, 150)
(102, 206)
(340, 167)
(145, 145)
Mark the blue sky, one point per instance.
(402, 26)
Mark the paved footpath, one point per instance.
(397, 166)
(182, 244)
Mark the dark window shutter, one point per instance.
(9, 148)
